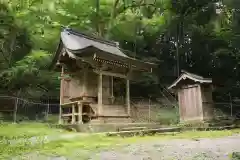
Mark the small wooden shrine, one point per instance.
(88, 67)
(194, 96)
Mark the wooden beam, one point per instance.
(112, 85)
(111, 62)
(128, 97)
(106, 73)
(100, 93)
(69, 104)
(61, 97)
(61, 87)
(69, 114)
(60, 115)
(112, 90)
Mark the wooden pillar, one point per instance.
(128, 97)
(85, 79)
(60, 115)
(61, 86)
(112, 94)
(61, 96)
(112, 86)
(200, 100)
(73, 114)
(100, 93)
(79, 113)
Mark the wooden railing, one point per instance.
(73, 114)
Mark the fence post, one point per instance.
(15, 111)
(149, 109)
(47, 111)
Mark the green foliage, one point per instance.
(235, 156)
(185, 31)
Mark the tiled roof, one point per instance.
(78, 44)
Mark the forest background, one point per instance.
(200, 36)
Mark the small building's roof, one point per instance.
(186, 75)
(78, 44)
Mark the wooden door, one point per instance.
(190, 103)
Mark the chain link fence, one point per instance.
(16, 109)
(226, 110)
(158, 110)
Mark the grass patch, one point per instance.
(83, 146)
(24, 130)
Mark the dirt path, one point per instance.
(178, 149)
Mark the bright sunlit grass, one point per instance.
(9, 131)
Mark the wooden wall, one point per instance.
(71, 88)
(195, 102)
(74, 86)
(106, 89)
(92, 84)
(207, 102)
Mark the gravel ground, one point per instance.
(179, 149)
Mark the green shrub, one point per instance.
(235, 156)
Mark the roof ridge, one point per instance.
(91, 37)
(193, 74)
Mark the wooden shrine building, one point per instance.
(88, 67)
(194, 97)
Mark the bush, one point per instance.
(235, 156)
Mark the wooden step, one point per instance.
(143, 132)
(132, 128)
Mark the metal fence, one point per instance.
(226, 110)
(16, 109)
(161, 110)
